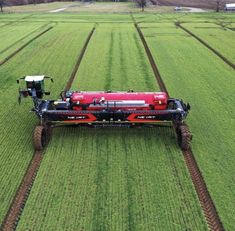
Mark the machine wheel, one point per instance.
(40, 138)
(184, 137)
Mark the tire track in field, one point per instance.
(23, 46)
(15, 210)
(17, 205)
(212, 217)
(178, 24)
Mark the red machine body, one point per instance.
(119, 100)
(104, 108)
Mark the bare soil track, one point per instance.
(23, 46)
(206, 45)
(206, 201)
(213, 220)
(15, 210)
(18, 203)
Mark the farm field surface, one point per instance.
(123, 179)
(213, 117)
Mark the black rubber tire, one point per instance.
(184, 137)
(39, 138)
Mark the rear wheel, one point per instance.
(40, 138)
(184, 137)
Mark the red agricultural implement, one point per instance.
(104, 108)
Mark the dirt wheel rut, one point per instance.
(11, 220)
(209, 209)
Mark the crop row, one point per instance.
(105, 179)
(193, 73)
(53, 54)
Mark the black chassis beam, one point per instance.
(177, 114)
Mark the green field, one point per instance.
(124, 179)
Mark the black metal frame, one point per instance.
(177, 111)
